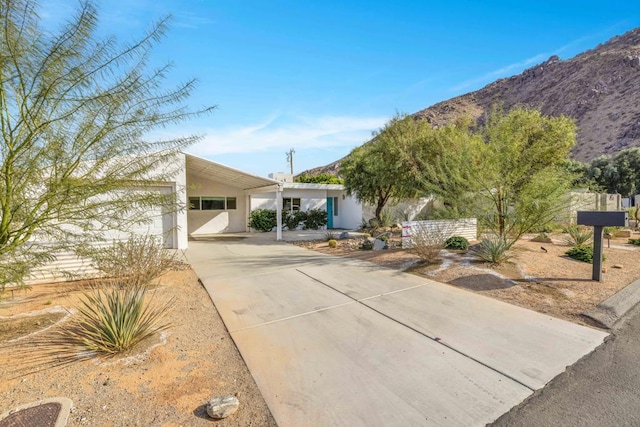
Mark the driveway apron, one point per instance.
(337, 342)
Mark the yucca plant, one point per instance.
(111, 319)
(492, 249)
(578, 235)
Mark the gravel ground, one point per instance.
(548, 282)
(164, 382)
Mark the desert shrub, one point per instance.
(383, 237)
(111, 319)
(366, 235)
(292, 219)
(577, 235)
(133, 262)
(492, 249)
(316, 218)
(427, 242)
(366, 244)
(386, 218)
(333, 243)
(583, 253)
(634, 242)
(456, 243)
(263, 219)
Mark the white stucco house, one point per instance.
(219, 199)
(213, 199)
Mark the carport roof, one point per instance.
(217, 172)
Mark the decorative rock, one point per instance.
(622, 233)
(344, 235)
(378, 245)
(222, 407)
(616, 266)
(604, 269)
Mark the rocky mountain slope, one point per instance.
(598, 88)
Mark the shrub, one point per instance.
(386, 218)
(113, 320)
(492, 249)
(263, 219)
(366, 244)
(366, 235)
(292, 219)
(456, 243)
(578, 235)
(583, 253)
(427, 243)
(333, 243)
(134, 262)
(384, 237)
(634, 242)
(316, 218)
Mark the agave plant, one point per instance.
(492, 249)
(578, 235)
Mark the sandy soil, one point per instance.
(165, 381)
(548, 282)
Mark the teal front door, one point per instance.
(329, 212)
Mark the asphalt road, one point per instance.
(602, 389)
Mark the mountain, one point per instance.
(598, 88)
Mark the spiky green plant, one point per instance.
(578, 235)
(492, 249)
(112, 320)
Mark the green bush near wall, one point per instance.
(263, 220)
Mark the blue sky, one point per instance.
(320, 76)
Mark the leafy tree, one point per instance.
(617, 174)
(75, 112)
(386, 168)
(321, 178)
(521, 182)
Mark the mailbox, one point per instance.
(604, 218)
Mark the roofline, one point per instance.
(269, 180)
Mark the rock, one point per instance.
(344, 235)
(222, 407)
(604, 269)
(378, 245)
(616, 266)
(622, 233)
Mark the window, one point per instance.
(212, 203)
(335, 206)
(194, 203)
(291, 204)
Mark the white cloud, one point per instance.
(278, 132)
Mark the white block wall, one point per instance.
(467, 227)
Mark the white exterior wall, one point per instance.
(202, 222)
(349, 209)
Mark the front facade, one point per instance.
(220, 199)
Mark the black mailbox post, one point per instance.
(599, 220)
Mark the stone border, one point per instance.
(609, 311)
(63, 415)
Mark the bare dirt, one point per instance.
(548, 281)
(165, 381)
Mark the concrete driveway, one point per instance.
(335, 342)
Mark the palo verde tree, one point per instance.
(75, 113)
(386, 168)
(521, 182)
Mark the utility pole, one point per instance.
(290, 154)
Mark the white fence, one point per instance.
(467, 227)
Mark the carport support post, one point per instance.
(597, 253)
(279, 212)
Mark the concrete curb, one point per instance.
(63, 415)
(609, 311)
